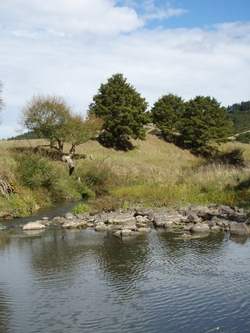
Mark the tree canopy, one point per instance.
(51, 118)
(240, 115)
(123, 112)
(166, 115)
(205, 124)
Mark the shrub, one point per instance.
(98, 178)
(233, 157)
(38, 173)
(244, 137)
(80, 208)
(35, 172)
(19, 205)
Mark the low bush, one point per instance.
(80, 208)
(233, 157)
(35, 172)
(97, 177)
(244, 137)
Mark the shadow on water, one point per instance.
(239, 239)
(4, 312)
(175, 245)
(61, 251)
(123, 261)
(4, 240)
(58, 210)
(64, 252)
(83, 281)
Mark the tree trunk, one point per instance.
(69, 160)
(60, 146)
(72, 150)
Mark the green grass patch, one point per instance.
(81, 208)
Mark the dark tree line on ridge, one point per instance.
(119, 113)
(199, 124)
(240, 115)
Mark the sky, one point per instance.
(69, 47)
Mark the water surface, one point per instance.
(82, 281)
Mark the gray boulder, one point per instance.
(142, 221)
(239, 229)
(101, 227)
(74, 224)
(200, 228)
(193, 218)
(144, 230)
(69, 216)
(167, 220)
(121, 218)
(188, 227)
(2, 227)
(216, 228)
(126, 232)
(34, 226)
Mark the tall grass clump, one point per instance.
(40, 174)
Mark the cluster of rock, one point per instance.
(190, 220)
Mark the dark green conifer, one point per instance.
(166, 115)
(205, 124)
(123, 112)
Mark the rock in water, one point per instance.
(34, 226)
(144, 230)
(2, 227)
(200, 227)
(74, 224)
(166, 220)
(101, 227)
(239, 229)
(69, 216)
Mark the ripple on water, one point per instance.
(88, 282)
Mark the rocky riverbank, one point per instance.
(189, 221)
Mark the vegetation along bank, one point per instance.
(126, 155)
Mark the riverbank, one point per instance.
(189, 222)
(155, 174)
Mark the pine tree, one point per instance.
(205, 124)
(123, 112)
(166, 115)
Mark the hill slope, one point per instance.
(155, 173)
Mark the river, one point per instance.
(83, 281)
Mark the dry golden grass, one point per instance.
(153, 160)
(155, 173)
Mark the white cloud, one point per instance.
(68, 16)
(187, 62)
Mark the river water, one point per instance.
(82, 281)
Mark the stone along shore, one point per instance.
(190, 221)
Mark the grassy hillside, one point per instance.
(154, 174)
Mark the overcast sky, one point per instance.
(69, 47)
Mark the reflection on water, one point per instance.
(4, 311)
(82, 281)
(123, 261)
(4, 239)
